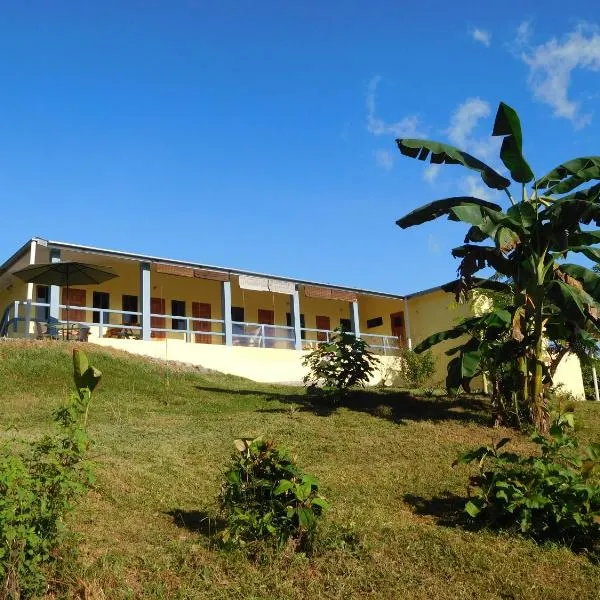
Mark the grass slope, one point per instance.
(162, 438)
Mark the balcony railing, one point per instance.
(20, 317)
(262, 335)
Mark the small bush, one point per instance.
(39, 487)
(554, 496)
(412, 370)
(265, 497)
(340, 364)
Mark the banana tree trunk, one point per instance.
(537, 400)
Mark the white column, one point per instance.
(595, 383)
(226, 311)
(28, 307)
(54, 289)
(355, 318)
(407, 325)
(32, 252)
(145, 299)
(295, 310)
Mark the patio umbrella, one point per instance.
(65, 274)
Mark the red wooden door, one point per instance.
(322, 323)
(267, 317)
(397, 324)
(202, 310)
(74, 297)
(157, 307)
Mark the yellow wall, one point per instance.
(371, 307)
(259, 364)
(334, 309)
(433, 312)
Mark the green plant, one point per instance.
(265, 497)
(553, 496)
(40, 486)
(414, 370)
(343, 362)
(527, 244)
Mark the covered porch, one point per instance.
(155, 299)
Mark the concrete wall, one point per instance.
(270, 365)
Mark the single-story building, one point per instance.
(240, 322)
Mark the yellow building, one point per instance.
(239, 322)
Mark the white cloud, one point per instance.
(551, 65)
(433, 244)
(407, 127)
(465, 119)
(524, 33)
(472, 185)
(482, 36)
(384, 159)
(431, 172)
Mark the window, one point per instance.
(237, 314)
(288, 321)
(130, 303)
(376, 322)
(100, 300)
(346, 324)
(178, 310)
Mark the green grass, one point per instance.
(162, 438)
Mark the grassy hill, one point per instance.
(163, 435)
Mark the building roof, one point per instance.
(148, 258)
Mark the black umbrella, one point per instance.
(65, 274)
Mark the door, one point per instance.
(322, 323)
(157, 307)
(42, 295)
(397, 323)
(101, 300)
(267, 317)
(74, 297)
(202, 310)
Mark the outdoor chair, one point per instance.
(51, 329)
(83, 333)
(42, 333)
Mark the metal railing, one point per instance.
(382, 344)
(262, 335)
(126, 324)
(379, 344)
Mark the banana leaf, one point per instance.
(446, 154)
(507, 124)
(575, 167)
(439, 208)
(588, 279)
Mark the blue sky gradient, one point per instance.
(261, 135)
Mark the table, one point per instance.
(66, 331)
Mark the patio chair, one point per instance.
(51, 328)
(83, 333)
(46, 333)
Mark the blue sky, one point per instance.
(260, 135)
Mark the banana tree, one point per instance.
(554, 303)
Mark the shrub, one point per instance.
(265, 497)
(554, 496)
(413, 370)
(39, 487)
(343, 362)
